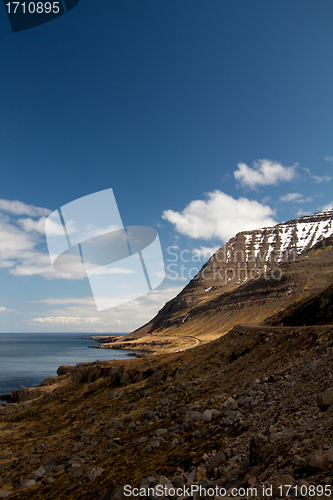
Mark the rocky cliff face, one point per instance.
(261, 252)
(264, 259)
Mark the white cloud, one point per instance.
(14, 243)
(102, 271)
(5, 310)
(320, 179)
(15, 207)
(39, 264)
(80, 313)
(30, 225)
(295, 197)
(23, 245)
(291, 197)
(302, 213)
(220, 216)
(263, 173)
(18, 253)
(329, 206)
(328, 158)
(60, 301)
(266, 199)
(204, 252)
(6, 264)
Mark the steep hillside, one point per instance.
(212, 313)
(250, 255)
(252, 408)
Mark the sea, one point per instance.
(26, 359)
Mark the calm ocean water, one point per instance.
(27, 359)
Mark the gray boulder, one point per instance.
(28, 483)
(94, 473)
(39, 473)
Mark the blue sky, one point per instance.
(205, 117)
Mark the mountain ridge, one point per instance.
(252, 405)
(244, 282)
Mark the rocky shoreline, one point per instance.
(118, 342)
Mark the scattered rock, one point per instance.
(39, 473)
(325, 399)
(94, 473)
(79, 472)
(193, 416)
(319, 461)
(260, 449)
(22, 395)
(47, 481)
(216, 461)
(157, 377)
(207, 415)
(27, 483)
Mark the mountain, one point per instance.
(261, 252)
(255, 275)
(251, 406)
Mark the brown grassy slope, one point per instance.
(84, 411)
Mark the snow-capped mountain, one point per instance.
(277, 266)
(249, 254)
(292, 237)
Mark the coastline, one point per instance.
(115, 343)
(27, 360)
(161, 342)
(138, 346)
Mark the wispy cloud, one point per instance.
(320, 179)
(295, 198)
(328, 158)
(79, 314)
(22, 241)
(5, 310)
(14, 243)
(38, 264)
(303, 212)
(30, 225)
(291, 197)
(16, 207)
(64, 301)
(263, 173)
(329, 206)
(220, 216)
(204, 252)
